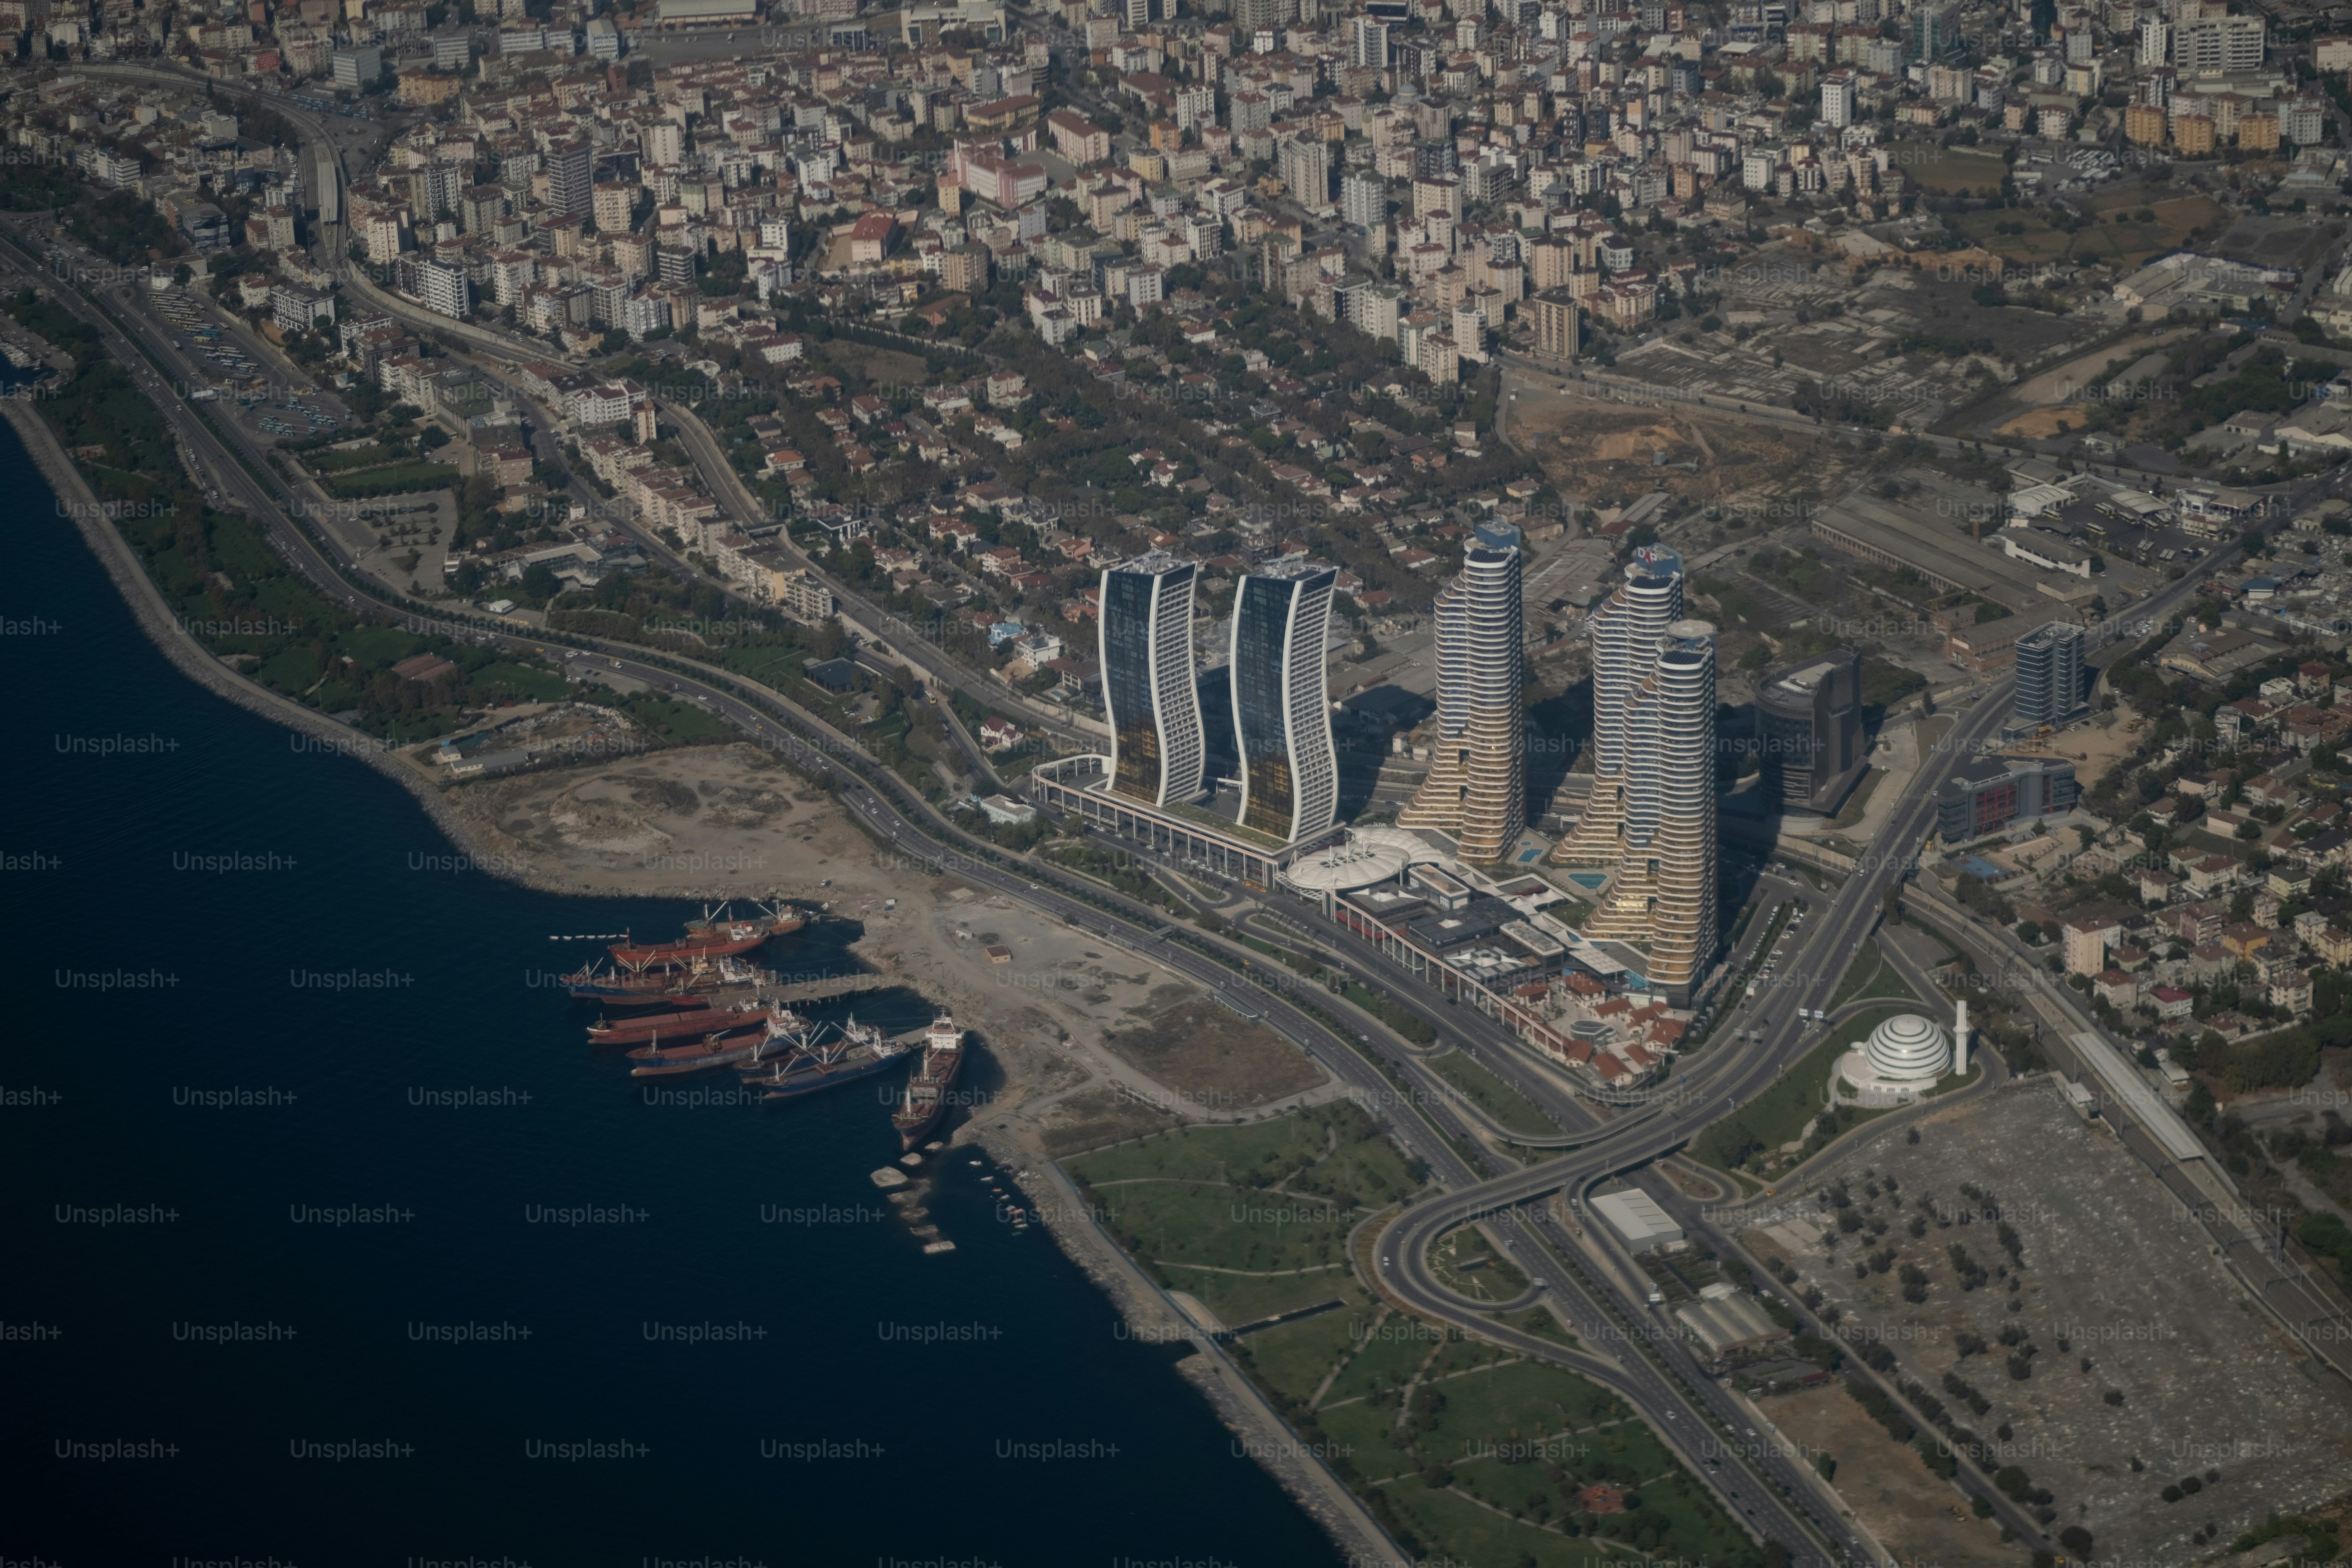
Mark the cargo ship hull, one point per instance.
(632, 1000)
(927, 1091)
(699, 1057)
(697, 1021)
(724, 943)
(663, 985)
(805, 1076)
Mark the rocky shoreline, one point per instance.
(1257, 1433)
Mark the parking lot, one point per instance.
(275, 409)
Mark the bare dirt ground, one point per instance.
(2094, 746)
(1602, 453)
(1917, 1516)
(701, 821)
(1212, 1057)
(2045, 423)
(2063, 384)
(1179, 1056)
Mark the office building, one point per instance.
(2049, 676)
(1935, 30)
(355, 68)
(1477, 789)
(1808, 734)
(1149, 691)
(1984, 796)
(1282, 710)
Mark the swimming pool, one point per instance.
(1593, 881)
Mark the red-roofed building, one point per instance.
(1076, 138)
(870, 238)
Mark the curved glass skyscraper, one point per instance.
(1148, 689)
(1282, 714)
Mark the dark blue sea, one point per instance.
(274, 1290)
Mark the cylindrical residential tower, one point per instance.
(1476, 791)
(1679, 842)
(1625, 632)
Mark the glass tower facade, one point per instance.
(1281, 716)
(1152, 701)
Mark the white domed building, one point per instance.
(1905, 1056)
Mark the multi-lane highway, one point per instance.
(1625, 1347)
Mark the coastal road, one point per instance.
(1426, 1127)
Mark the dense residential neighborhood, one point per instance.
(1602, 551)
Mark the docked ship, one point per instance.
(657, 986)
(715, 936)
(697, 1018)
(927, 1091)
(855, 1051)
(781, 1030)
(783, 919)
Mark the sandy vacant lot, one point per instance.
(1595, 449)
(719, 821)
(1917, 1516)
(701, 821)
(2063, 384)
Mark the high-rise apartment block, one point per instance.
(571, 178)
(1307, 170)
(2219, 45)
(1477, 789)
(2049, 676)
(1651, 816)
(1838, 99)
